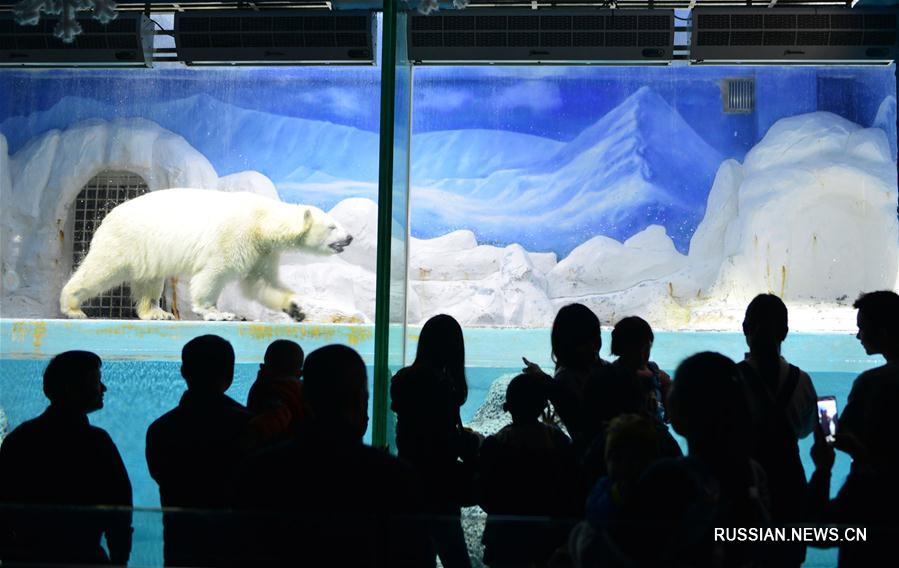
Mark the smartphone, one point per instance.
(828, 416)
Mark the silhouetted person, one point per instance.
(631, 384)
(58, 466)
(870, 496)
(325, 498)
(276, 398)
(632, 340)
(631, 447)
(667, 521)
(193, 450)
(866, 431)
(426, 397)
(862, 431)
(576, 340)
(783, 406)
(527, 469)
(708, 407)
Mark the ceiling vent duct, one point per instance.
(538, 36)
(275, 37)
(126, 41)
(800, 35)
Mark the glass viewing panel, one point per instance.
(74, 143)
(675, 194)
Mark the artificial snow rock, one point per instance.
(602, 265)
(816, 214)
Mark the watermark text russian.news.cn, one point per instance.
(791, 534)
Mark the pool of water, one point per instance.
(142, 390)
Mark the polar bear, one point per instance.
(211, 236)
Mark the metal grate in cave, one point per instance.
(98, 197)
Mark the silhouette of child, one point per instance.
(276, 398)
(576, 340)
(632, 445)
(632, 340)
(527, 469)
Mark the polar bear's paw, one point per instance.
(155, 314)
(295, 312)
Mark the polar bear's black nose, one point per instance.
(349, 239)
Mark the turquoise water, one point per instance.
(141, 391)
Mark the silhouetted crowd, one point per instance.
(587, 473)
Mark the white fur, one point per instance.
(212, 237)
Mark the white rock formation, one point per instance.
(815, 217)
(652, 300)
(359, 217)
(513, 295)
(603, 265)
(886, 120)
(251, 181)
(490, 417)
(450, 242)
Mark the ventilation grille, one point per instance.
(529, 36)
(125, 41)
(793, 33)
(738, 95)
(274, 37)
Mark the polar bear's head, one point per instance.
(323, 233)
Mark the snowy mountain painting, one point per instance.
(615, 178)
(530, 188)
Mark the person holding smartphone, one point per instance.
(860, 432)
(869, 497)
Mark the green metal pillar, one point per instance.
(385, 214)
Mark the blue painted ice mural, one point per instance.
(639, 165)
(630, 190)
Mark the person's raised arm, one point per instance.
(531, 368)
(818, 491)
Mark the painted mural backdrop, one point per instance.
(629, 189)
